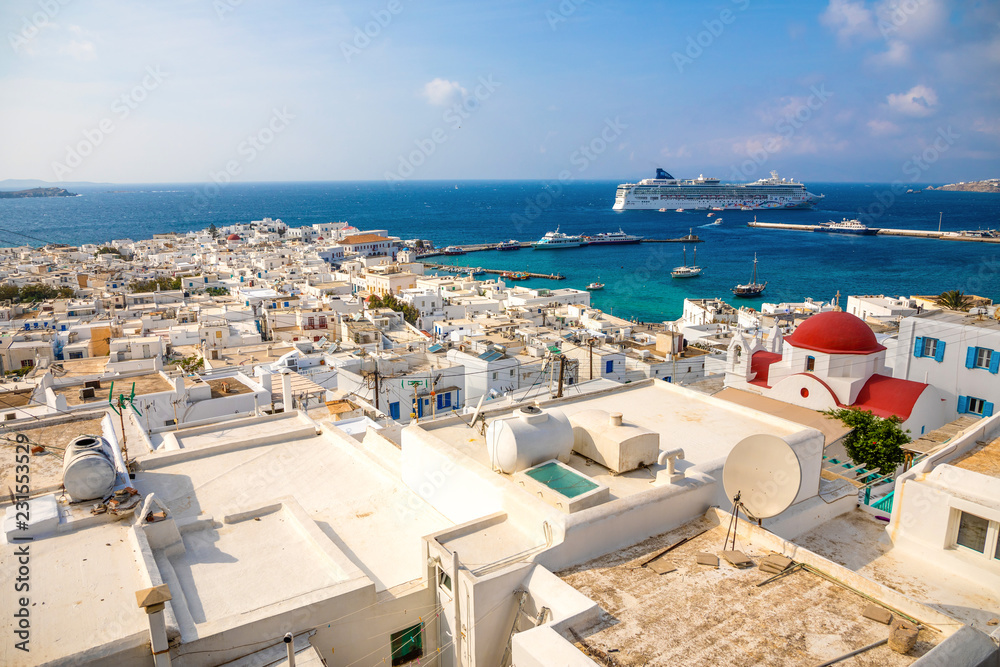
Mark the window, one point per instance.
(512, 372)
(407, 645)
(978, 534)
(444, 579)
(394, 410)
(925, 346)
(974, 406)
(982, 357)
(810, 364)
(609, 366)
(495, 376)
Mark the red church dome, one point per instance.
(835, 333)
(234, 237)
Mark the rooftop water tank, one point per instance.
(88, 471)
(531, 437)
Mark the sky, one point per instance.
(401, 90)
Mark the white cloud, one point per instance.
(679, 152)
(881, 128)
(440, 92)
(849, 20)
(917, 101)
(79, 49)
(898, 53)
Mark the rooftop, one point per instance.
(959, 317)
(151, 383)
(698, 615)
(53, 434)
(984, 458)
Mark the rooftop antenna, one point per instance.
(123, 402)
(762, 475)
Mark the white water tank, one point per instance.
(531, 437)
(88, 471)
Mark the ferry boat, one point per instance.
(612, 238)
(513, 244)
(686, 271)
(556, 240)
(846, 226)
(453, 250)
(515, 275)
(753, 288)
(595, 286)
(665, 191)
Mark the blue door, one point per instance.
(609, 366)
(394, 410)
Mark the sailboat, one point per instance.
(753, 288)
(686, 271)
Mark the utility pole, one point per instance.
(376, 386)
(591, 344)
(562, 371)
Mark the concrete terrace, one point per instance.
(699, 615)
(152, 383)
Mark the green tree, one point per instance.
(213, 230)
(152, 284)
(875, 442)
(36, 292)
(107, 250)
(216, 291)
(954, 300)
(9, 292)
(65, 293)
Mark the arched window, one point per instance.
(810, 364)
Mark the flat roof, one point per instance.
(698, 615)
(832, 429)
(705, 428)
(858, 541)
(151, 383)
(984, 458)
(47, 468)
(959, 317)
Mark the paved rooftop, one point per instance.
(151, 383)
(984, 459)
(699, 615)
(46, 469)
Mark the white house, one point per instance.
(957, 353)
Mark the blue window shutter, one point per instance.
(609, 366)
(394, 410)
(939, 352)
(963, 404)
(440, 401)
(918, 346)
(987, 409)
(994, 362)
(970, 357)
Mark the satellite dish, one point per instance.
(765, 472)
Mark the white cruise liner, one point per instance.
(702, 193)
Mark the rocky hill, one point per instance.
(989, 185)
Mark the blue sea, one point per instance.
(795, 264)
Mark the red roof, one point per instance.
(885, 396)
(835, 333)
(760, 363)
(234, 237)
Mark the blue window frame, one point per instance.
(982, 357)
(444, 400)
(925, 346)
(609, 366)
(971, 405)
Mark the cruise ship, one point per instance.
(612, 238)
(846, 226)
(702, 193)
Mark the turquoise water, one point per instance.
(638, 284)
(561, 480)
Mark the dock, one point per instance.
(883, 231)
(451, 268)
(479, 247)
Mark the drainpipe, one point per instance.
(458, 616)
(290, 648)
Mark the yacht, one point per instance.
(686, 271)
(753, 288)
(556, 240)
(513, 244)
(846, 226)
(453, 250)
(612, 238)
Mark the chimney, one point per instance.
(616, 419)
(153, 601)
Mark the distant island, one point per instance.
(37, 192)
(989, 185)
